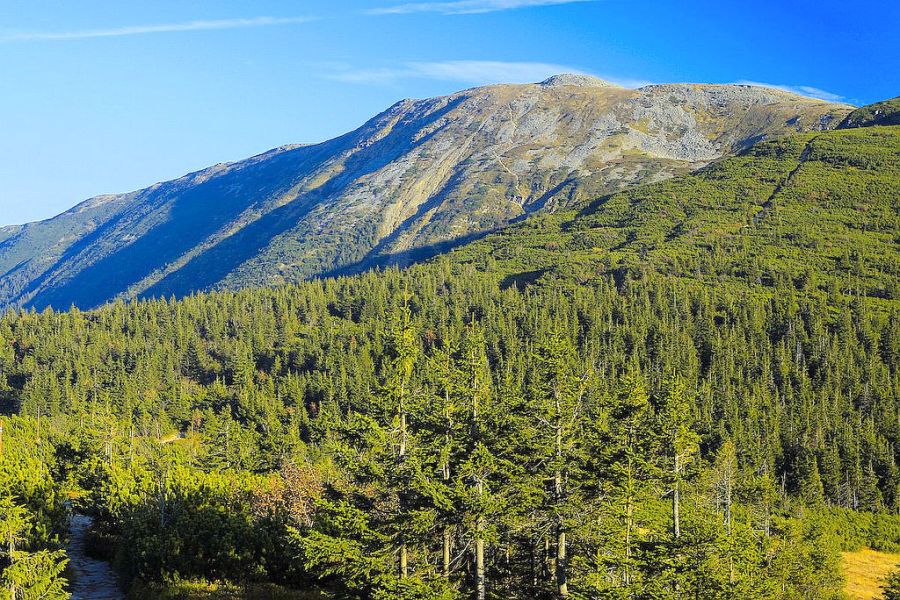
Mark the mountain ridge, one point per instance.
(421, 173)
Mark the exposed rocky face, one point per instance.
(419, 176)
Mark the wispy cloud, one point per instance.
(477, 72)
(466, 7)
(460, 71)
(209, 25)
(803, 90)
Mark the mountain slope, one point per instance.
(819, 213)
(886, 112)
(419, 175)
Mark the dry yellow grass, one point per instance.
(215, 591)
(865, 570)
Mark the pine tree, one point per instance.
(36, 576)
(891, 586)
(14, 524)
(403, 353)
(629, 448)
(680, 443)
(811, 489)
(725, 473)
(560, 396)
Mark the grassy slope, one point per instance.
(820, 211)
(865, 569)
(880, 113)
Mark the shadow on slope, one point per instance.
(193, 214)
(208, 268)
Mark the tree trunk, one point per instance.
(401, 414)
(549, 562)
(401, 455)
(480, 587)
(445, 570)
(629, 520)
(479, 570)
(728, 520)
(676, 498)
(562, 584)
(404, 566)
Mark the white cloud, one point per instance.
(626, 82)
(477, 72)
(467, 7)
(803, 90)
(148, 29)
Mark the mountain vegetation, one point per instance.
(815, 212)
(414, 180)
(880, 113)
(689, 389)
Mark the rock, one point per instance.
(572, 79)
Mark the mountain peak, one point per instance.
(576, 79)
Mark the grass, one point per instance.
(865, 570)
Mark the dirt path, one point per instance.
(93, 579)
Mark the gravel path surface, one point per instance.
(94, 579)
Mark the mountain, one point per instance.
(414, 180)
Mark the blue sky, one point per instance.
(104, 96)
